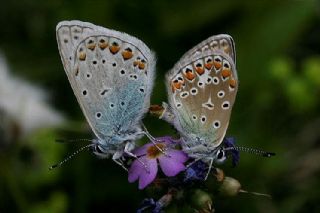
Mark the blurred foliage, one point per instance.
(277, 108)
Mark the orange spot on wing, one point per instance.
(232, 83)
(173, 89)
(189, 75)
(91, 46)
(217, 65)
(135, 63)
(177, 85)
(225, 73)
(82, 56)
(200, 70)
(127, 54)
(208, 65)
(141, 65)
(114, 49)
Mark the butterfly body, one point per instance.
(111, 74)
(202, 88)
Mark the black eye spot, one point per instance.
(102, 40)
(114, 64)
(122, 103)
(70, 58)
(115, 44)
(180, 79)
(98, 114)
(122, 72)
(111, 105)
(135, 77)
(217, 59)
(193, 91)
(75, 37)
(90, 41)
(103, 61)
(220, 154)
(216, 124)
(175, 81)
(194, 117)
(209, 80)
(198, 65)
(84, 92)
(209, 60)
(178, 105)
(94, 62)
(226, 65)
(203, 119)
(88, 75)
(65, 40)
(200, 84)
(141, 90)
(128, 49)
(80, 50)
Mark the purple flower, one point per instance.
(171, 161)
(235, 155)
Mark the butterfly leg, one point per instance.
(127, 149)
(153, 140)
(209, 170)
(116, 159)
(193, 162)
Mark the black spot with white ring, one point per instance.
(194, 91)
(216, 124)
(221, 94)
(98, 115)
(225, 105)
(215, 80)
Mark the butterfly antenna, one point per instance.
(73, 140)
(251, 150)
(70, 156)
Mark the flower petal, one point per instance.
(142, 150)
(146, 177)
(170, 166)
(135, 171)
(177, 155)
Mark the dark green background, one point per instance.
(277, 107)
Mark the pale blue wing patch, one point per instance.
(111, 74)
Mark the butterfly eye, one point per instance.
(220, 156)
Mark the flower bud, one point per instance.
(230, 187)
(201, 200)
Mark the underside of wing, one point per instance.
(202, 91)
(111, 74)
(221, 43)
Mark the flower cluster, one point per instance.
(145, 168)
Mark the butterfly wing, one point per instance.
(111, 74)
(202, 88)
